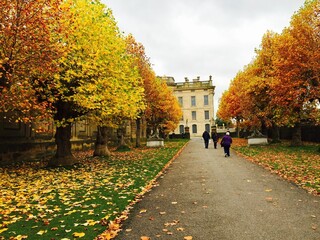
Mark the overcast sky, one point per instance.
(190, 38)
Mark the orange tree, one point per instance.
(142, 63)
(28, 50)
(296, 86)
(234, 103)
(162, 109)
(281, 86)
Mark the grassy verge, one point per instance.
(300, 165)
(41, 203)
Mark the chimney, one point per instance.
(186, 79)
(210, 78)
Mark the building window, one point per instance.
(206, 100)
(194, 128)
(207, 127)
(194, 115)
(181, 118)
(181, 129)
(180, 100)
(193, 101)
(206, 115)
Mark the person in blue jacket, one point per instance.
(206, 138)
(226, 143)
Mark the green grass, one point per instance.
(43, 203)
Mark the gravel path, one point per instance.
(206, 196)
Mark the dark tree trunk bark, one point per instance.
(101, 145)
(238, 128)
(275, 134)
(138, 132)
(296, 135)
(63, 156)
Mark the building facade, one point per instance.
(196, 100)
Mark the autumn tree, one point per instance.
(162, 108)
(234, 103)
(142, 63)
(280, 87)
(296, 84)
(28, 50)
(95, 78)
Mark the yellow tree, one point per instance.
(96, 77)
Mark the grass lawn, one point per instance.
(80, 202)
(300, 165)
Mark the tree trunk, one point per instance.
(296, 135)
(122, 141)
(101, 145)
(63, 156)
(238, 128)
(275, 134)
(138, 132)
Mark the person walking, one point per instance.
(226, 142)
(206, 138)
(215, 139)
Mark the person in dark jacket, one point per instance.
(215, 139)
(206, 138)
(226, 143)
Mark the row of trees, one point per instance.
(67, 59)
(281, 86)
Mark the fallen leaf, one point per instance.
(187, 238)
(143, 210)
(21, 237)
(268, 190)
(269, 199)
(145, 238)
(78, 234)
(41, 232)
(180, 229)
(4, 229)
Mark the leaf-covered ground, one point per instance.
(300, 165)
(80, 202)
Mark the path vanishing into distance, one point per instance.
(206, 196)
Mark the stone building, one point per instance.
(196, 100)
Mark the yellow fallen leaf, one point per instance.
(187, 238)
(41, 232)
(143, 210)
(21, 237)
(3, 229)
(78, 234)
(268, 190)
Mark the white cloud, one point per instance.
(190, 38)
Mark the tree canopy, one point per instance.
(281, 86)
